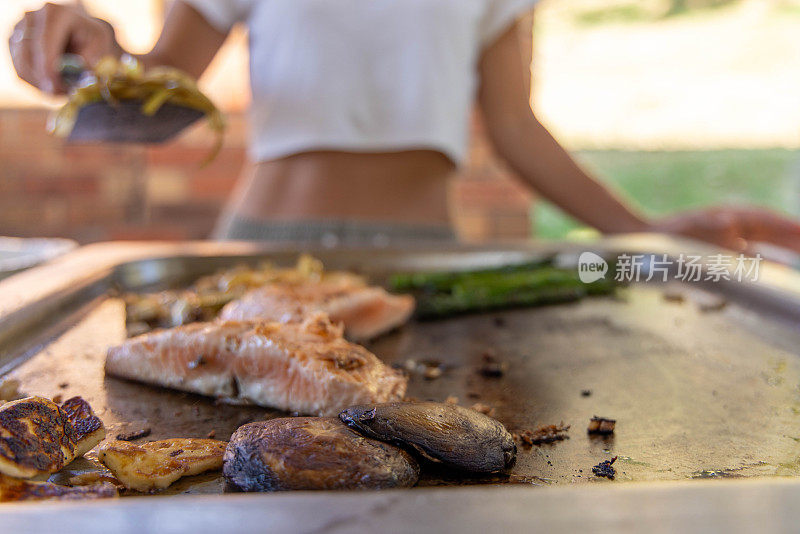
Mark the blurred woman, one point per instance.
(360, 115)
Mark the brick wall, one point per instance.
(98, 193)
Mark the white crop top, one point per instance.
(363, 75)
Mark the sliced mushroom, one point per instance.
(313, 453)
(448, 433)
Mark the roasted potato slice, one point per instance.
(88, 428)
(38, 437)
(157, 464)
(15, 489)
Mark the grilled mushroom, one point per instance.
(448, 433)
(313, 453)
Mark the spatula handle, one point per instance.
(71, 68)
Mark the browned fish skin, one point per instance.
(366, 311)
(304, 367)
(313, 453)
(448, 433)
(14, 489)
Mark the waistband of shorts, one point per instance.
(331, 233)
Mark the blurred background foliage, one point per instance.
(678, 103)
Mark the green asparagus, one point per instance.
(444, 294)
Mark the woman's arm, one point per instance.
(187, 42)
(541, 162)
(521, 140)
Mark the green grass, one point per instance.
(625, 13)
(665, 182)
(644, 11)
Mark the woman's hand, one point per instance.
(43, 36)
(734, 228)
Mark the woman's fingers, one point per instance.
(38, 31)
(43, 36)
(21, 53)
(773, 228)
(55, 23)
(736, 228)
(32, 46)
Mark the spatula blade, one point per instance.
(124, 122)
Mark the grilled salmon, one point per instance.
(157, 464)
(305, 367)
(366, 311)
(38, 437)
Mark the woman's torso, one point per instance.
(405, 187)
(360, 108)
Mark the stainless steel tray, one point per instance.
(697, 394)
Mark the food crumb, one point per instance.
(485, 409)
(432, 373)
(601, 425)
(712, 305)
(9, 389)
(212, 434)
(543, 434)
(491, 366)
(429, 369)
(673, 295)
(452, 399)
(605, 469)
(58, 398)
(134, 435)
(64, 385)
(586, 393)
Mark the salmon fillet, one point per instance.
(366, 311)
(305, 367)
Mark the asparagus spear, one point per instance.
(442, 281)
(444, 294)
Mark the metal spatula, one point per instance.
(122, 122)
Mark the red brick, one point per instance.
(173, 154)
(90, 193)
(47, 184)
(89, 212)
(146, 233)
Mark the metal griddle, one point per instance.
(696, 394)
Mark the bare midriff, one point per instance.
(408, 187)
